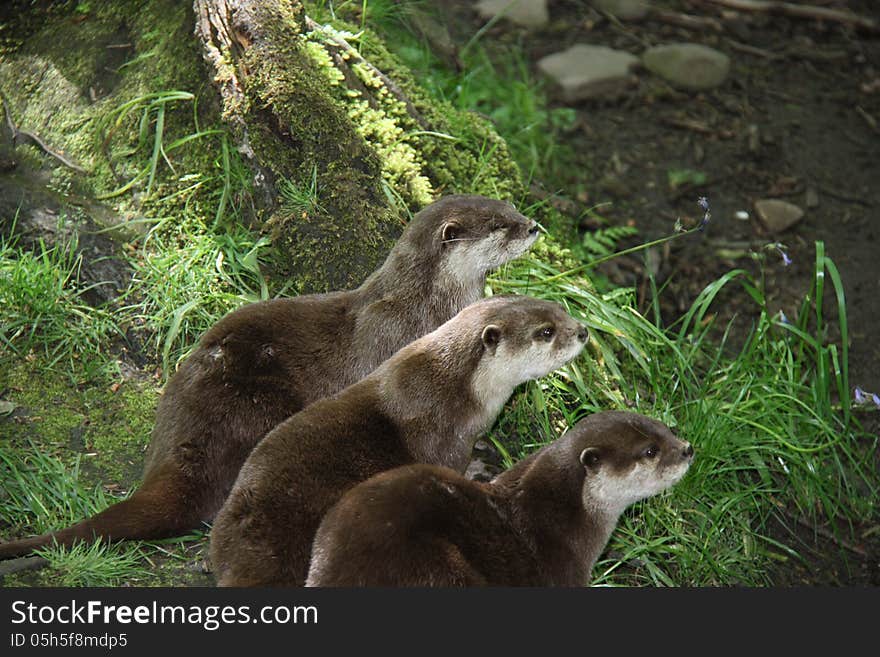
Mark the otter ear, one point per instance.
(590, 458)
(450, 231)
(491, 337)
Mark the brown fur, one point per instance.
(541, 523)
(265, 361)
(421, 405)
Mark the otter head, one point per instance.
(624, 457)
(471, 234)
(521, 338)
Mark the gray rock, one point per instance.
(626, 10)
(528, 13)
(688, 65)
(776, 215)
(585, 71)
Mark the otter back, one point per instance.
(265, 361)
(544, 522)
(426, 403)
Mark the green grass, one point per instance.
(42, 493)
(770, 419)
(43, 312)
(775, 443)
(187, 277)
(95, 564)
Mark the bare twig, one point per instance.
(686, 20)
(800, 11)
(696, 126)
(870, 120)
(686, 124)
(752, 50)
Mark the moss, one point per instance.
(68, 82)
(298, 129)
(337, 119)
(373, 160)
(108, 423)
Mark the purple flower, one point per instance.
(785, 259)
(703, 202)
(862, 397)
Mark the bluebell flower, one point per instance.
(785, 259)
(862, 397)
(703, 202)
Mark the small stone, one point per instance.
(812, 197)
(688, 65)
(528, 13)
(584, 71)
(627, 10)
(777, 215)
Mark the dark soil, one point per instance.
(797, 119)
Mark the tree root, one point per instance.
(18, 133)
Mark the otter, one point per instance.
(426, 404)
(265, 361)
(543, 522)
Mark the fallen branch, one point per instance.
(800, 11)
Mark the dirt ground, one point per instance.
(797, 119)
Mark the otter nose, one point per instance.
(583, 334)
(688, 451)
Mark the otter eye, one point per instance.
(546, 333)
(651, 452)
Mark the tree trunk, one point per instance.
(298, 141)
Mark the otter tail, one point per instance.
(156, 510)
